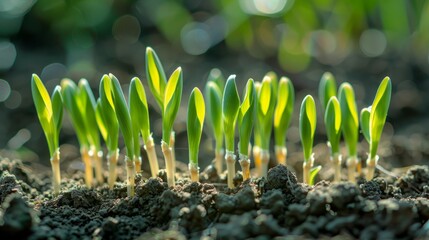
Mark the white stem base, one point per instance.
(336, 160)
(89, 178)
(151, 154)
(370, 167)
(281, 154)
(265, 159)
(219, 155)
(194, 172)
(257, 157)
(173, 153)
(113, 160)
(306, 168)
(166, 150)
(245, 166)
(98, 163)
(230, 166)
(351, 168)
(130, 177)
(56, 174)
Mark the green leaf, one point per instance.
(71, 103)
(283, 110)
(57, 110)
(156, 77)
(139, 109)
(214, 111)
(274, 80)
(349, 117)
(266, 105)
(327, 89)
(173, 96)
(100, 120)
(333, 124)
(364, 122)
(378, 115)
(307, 125)
(108, 114)
(256, 128)
(123, 115)
(230, 107)
(43, 105)
(195, 121)
(217, 77)
(246, 117)
(88, 112)
(313, 173)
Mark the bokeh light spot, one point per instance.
(14, 100)
(195, 38)
(7, 55)
(20, 138)
(126, 29)
(4, 90)
(373, 42)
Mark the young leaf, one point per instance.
(246, 117)
(378, 115)
(256, 129)
(57, 111)
(217, 77)
(307, 125)
(214, 107)
(230, 107)
(333, 124)
(71, 103)
(274, 81)
(266, 104)
(327, 89)
(156, 77)
(364, 122)
(283, 110)
(88, 112)
(138, 108)
(172, 98)
(196, 114)
(43, 105)
(123, 116)
(349, 117)
(313, 173)
(107, 117)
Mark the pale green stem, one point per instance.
(97, 160)
(151, 154)
(194, 172)
(166, 150)
(230, 166)
(281, 154)
(257, 157)
(56, 174)
(245, 165)
(306, 168)
(336, 159)
(130, 176)
(352, 162)
(113, 159)
(219, 161)
(88, 167)
(265, 159)
(370, 165)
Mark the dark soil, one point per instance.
(260, 209)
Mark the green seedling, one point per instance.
(327, 89)
(313, 173)
(373, 126)
(88, 108)
(230, 108)
(350, 127)
(365, 113)
(333, 131)
(124, 120)
(246, 116)
(307, 127)
(195, 122)
(172, 98)
(265, 114)
(108, 125)
(72, 102)
(50, 114)
(256, 149)
(140, 120)
(282, 117)
(213, 92)
(157, 81)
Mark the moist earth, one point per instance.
(257, 209)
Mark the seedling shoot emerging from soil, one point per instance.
(307, 128)
(333, 131)
(195, 122)
(213, 94)
(230, 108)
(50, 114)
(350, 127)
(282, 117)
(246, 116)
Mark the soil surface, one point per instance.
(384, 208)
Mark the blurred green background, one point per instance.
(359, 41)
